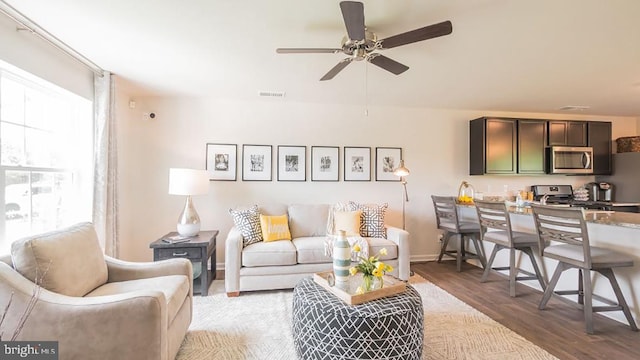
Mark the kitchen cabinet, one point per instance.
(493, 146)
(567, 133)
(518, 146)
(532, 140)
(599, 138)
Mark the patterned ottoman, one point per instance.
(324, 327)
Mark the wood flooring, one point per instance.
(559, 328)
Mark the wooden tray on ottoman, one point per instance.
(390, 286)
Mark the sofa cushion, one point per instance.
(311, 250)
(372, 219)
(349, 221)
(248, 222)
(275, 228)
(269, 254)
(331, 228)
(68, 261)
(376, 244)
(273, 209)
(174, 287)
(308, 220)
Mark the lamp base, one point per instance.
(188, 229)
(189, 221)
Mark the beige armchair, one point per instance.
(95, 306)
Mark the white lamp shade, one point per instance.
(188, 181)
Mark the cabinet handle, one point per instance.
(180, 254)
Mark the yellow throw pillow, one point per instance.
(275, 228)
(349, 221)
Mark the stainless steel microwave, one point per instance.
(570, 160)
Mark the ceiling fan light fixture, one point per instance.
(360, 43)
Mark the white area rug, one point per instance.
(256, 325)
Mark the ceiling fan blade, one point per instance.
(353, 14)
(336, 69)
(307, 51)
(427, 32)
(387, 64)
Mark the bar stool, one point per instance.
(448, 220)
(495, 227)
(568, 227)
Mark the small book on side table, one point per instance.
(176, 239)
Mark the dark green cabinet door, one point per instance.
(567, 133)
(599, 134)
(501, 146)
(532, 139)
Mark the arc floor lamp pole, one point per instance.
(403, 172)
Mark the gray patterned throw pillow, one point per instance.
(248, 222)
(372, 224)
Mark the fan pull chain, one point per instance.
(366, 88)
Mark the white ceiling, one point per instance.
(503, 55)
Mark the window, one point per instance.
(46, 155)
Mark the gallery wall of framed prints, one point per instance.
(256, 162)
(357, 163)
(292, 163)
(221, 161)
(326, 162)
(387, 160)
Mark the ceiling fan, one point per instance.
(361, 44)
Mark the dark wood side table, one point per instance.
(199, 249)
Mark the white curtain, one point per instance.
(105, 193)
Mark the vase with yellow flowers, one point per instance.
(372, 270)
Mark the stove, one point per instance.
(563, 194)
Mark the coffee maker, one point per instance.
(600, 191)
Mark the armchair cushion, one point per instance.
(174, 287)
(70, 259)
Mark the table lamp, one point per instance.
(188, 182)
(403, 172)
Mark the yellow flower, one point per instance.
(383, 251)
(356, 248)
(359, 290)
(353, 271)
(388, 268)
(380, 266)
(377, 272)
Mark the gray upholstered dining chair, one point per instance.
(495, 227)
(448, 220)
(565, 229)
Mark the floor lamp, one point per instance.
(403, 172)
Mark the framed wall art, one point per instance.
(292, 163)
(387, 160)
(325, 163)
(256, 162)
(357, 163)
(221, 161)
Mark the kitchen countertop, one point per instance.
(613, 218)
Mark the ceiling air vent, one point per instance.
(272, 94)
(575, 108)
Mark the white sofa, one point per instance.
(281, 264)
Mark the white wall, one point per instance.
(434, 142)
(32, 54)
